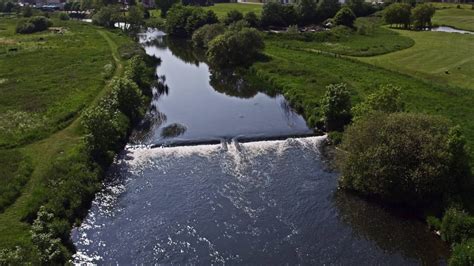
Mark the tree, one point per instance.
(27, 12)
(400, 158)
(307, 13)
(361, 8)
(327, 9)
(398, 14)
(421, 16)
(235, 48)
(278, 15)
(164, 6)
(345, 17)
(135, 17)
(387, 99)
(86, 4)
(206, 33)
(184, 20)
(233, 16)
(49, 247)
(106, 17)
(336, 107)
(252, 19)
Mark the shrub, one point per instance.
(164, 6)
(233, 16)
(421, 16)
(398, 14)
(345, 17)
(463, 254)
(184, 20)
(235, 48)
(205, 34)
(387, 99)
(252, 19)
(43, 239)
(401, 158)
(433, 223)
(33, 24)
(457, 226)
(336, 107)
(63, 16)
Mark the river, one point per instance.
(244, 196)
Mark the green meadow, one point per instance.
(221, 9)
(459, 18)
(48, 78)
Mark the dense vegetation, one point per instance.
(33, 24)
(182, 21)
(404, 15)
(412, 159)
(51, 182)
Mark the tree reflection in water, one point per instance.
(394, 231)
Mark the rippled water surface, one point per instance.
(261, 202)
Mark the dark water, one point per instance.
(261, 202)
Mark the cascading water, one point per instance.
(266, 202)
(258, 202)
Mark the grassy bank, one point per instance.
(373, 39)
(303, 76)
(61, 74)
(457, 18)
(438, 57)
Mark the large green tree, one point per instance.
(398, 14)
(421, 16)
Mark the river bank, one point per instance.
(59, 161)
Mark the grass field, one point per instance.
(59, 75)
(47, 78)
(221, 9)
(303, 76)
(439, 57)
(457, 18)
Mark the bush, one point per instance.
(387, 100)
(207, 33)
(336, 107)
(345, 17)
(463, 254)
(43, 239)
(235, 48)
(33, 24)
(233, 16)
(252, 20)
(433, 223)
(182, 21)
(402, 158)
(398, 14)
(457, 226)
(63, 16)
(327, 9)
